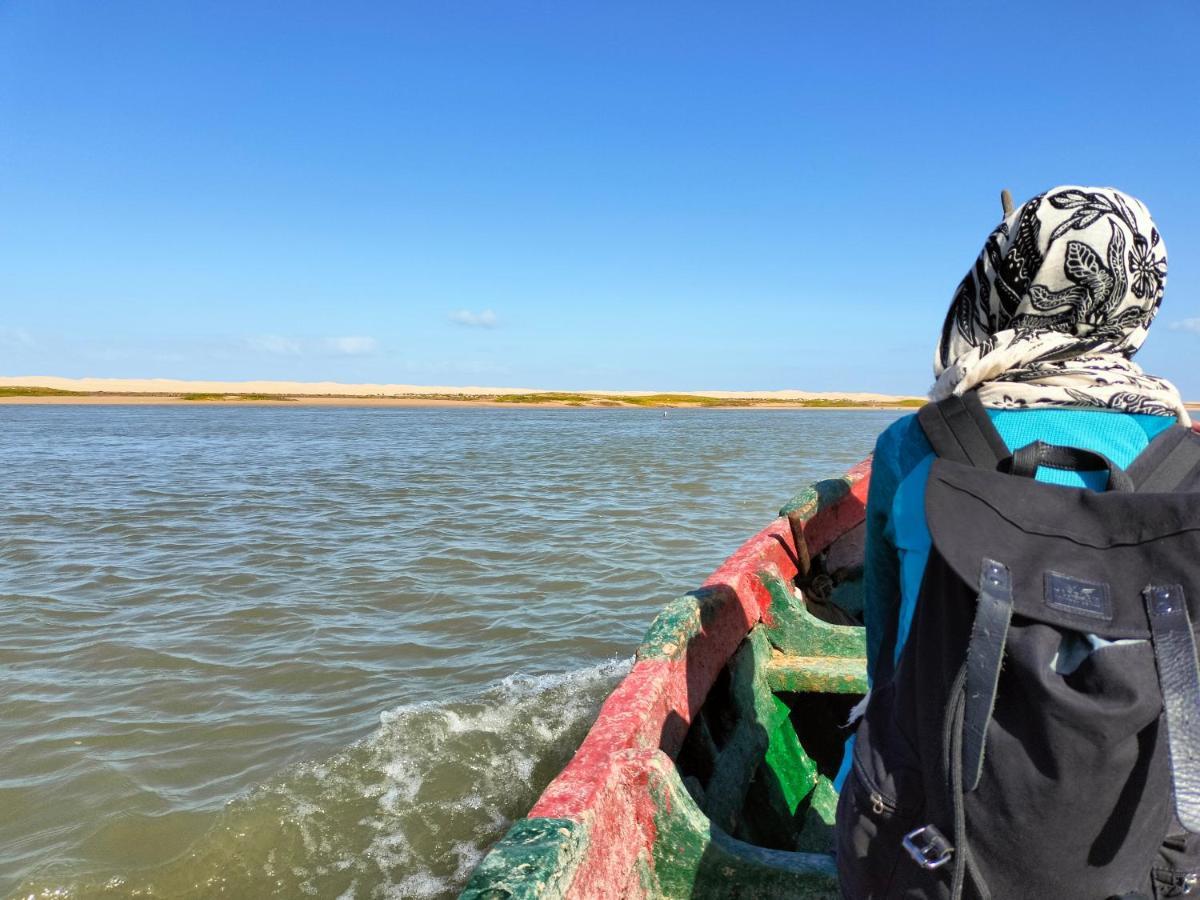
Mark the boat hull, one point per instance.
(651, 802)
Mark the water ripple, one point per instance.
(197, 603)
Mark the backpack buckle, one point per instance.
(1180, 884)
(928, 847)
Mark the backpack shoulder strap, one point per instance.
(959, 429)
(1169, 463)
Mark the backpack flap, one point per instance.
(1110, 546)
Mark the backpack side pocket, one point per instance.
(871, 825)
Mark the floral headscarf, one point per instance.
(1057, 303)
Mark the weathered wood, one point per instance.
(618, 822)
(817, 674)
(537, 858)
(693, 858)
(796, 631)
(758, 717)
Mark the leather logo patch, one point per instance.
(1074, 595)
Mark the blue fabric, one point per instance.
(898, 541)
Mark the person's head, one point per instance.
(1087, 262)
(1063, 291)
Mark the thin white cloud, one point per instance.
(484, 319)
(1192, 325)
(16, 337)
(352, 346)
(274, 343)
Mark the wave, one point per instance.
(407, 812)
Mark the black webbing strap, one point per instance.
(959, 429)
(1027, 460)
(1178, 463)
(1179, 680)
(985, 654)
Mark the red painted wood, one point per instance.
(654, 704)
(771, 548)
(829, 524)
(632, 716)
(622, 823)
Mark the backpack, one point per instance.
(1039, 735)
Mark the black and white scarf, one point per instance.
(1057, 303)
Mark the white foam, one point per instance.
(508, 731)
(408, 811)
(417, 886)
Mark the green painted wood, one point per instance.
(817, 834)
(682, 620)
(816, 496)
(756, 717)
(537, 858)
(792, 768)
(797, 632)
(824, 801)
(817, 674)
(725, 793)
(695, 859)
(641, 882)
(672, 629)
(762, 777)
(776, 807)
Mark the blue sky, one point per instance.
(676, 196)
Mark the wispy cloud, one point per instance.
(274, 343)
(1192, 325)
(16, 337)
(352, 346)
(483, 319)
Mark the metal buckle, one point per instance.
(928, 847)
(1181, 884)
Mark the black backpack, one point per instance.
(1039, 736)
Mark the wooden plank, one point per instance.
(817, 674)
(797, 632)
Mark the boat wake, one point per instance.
(406, 812)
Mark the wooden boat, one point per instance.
(708, 772)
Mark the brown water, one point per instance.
(250, 652)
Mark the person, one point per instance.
(1042, 330)
(1044, 327)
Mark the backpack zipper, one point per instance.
(879, 805)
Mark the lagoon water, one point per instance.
(333, 652)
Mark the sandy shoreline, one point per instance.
(339, 389)
(47, 389)
(382, 402)
(56, 391)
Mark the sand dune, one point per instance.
(337, 389)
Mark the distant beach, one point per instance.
(110, 391)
